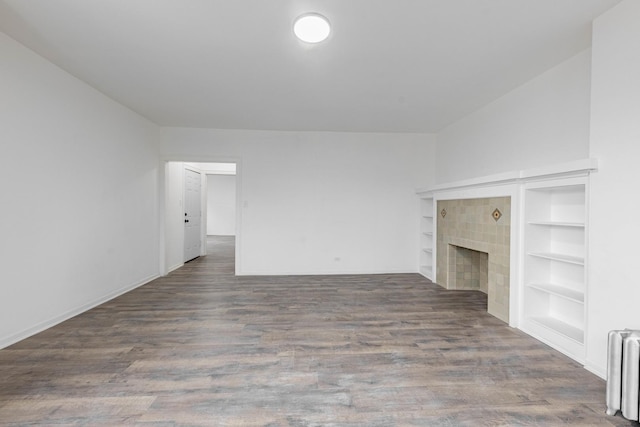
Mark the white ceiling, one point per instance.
(388, 66)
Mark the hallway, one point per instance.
(203, 347)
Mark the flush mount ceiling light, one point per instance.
(311, 27)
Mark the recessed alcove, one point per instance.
(473, 240)
(468, 269)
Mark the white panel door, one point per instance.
(192, 214)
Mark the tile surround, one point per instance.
(472, 224)
(468, 269)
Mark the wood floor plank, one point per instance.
(202, 347)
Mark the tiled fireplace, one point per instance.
(468, 269)
(473, 246)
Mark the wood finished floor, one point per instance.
(202, 347)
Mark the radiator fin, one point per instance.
(623, 373)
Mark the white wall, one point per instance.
(544, 121)
(319, 202)
(614, 286)
(221, 205)
(79, 185)
(174, 215)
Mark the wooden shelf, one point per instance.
(561, 327)
(558, 290)
(569, 259)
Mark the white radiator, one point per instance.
(623, 373)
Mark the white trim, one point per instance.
(576, 167)
(204, 195)
(219, 173)
(175, 267)
(192, 168)
(569, 168)
(530, 328)
(595, 369)
(19, 336)
(328, 273)
(239, 215)
(502, 178)
(161, 197)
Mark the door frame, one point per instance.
(162, 198)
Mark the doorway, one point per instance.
(188, 205)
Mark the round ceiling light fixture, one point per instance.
(311, 27)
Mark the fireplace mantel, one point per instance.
(576, 167)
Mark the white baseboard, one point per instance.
(323, 273)
(597, 370)
(175, 267)
(26, 333)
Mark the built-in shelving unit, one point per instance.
(554, 263)
(426, 236)
(548, 292)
